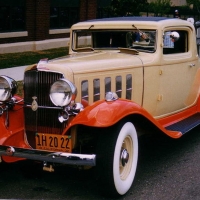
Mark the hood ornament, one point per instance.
(34, 104)
(42, 64)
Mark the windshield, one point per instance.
(142, 40)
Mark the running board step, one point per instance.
(185, 125)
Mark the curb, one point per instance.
(33, 45)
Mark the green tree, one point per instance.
(127, 7)
(160, 7)
(195, 4)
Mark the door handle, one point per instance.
(192, 65)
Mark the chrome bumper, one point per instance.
(48, 156)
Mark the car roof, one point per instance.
(134, 18)
(127, 22)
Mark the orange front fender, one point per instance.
(13, 133)
(105, 114)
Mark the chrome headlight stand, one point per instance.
(71, 110)
(5, 107)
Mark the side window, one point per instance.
(175, 41)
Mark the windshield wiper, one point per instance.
(91, 26)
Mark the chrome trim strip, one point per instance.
(48, 156)
(47, 107)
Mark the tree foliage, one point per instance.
(160, 7)
(127, 7)
(195, 3)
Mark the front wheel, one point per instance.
(117, 156)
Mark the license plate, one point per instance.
(51, 142)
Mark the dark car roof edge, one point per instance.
(137, 18)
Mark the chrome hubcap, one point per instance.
(124, 157)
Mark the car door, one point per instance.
(178, 72)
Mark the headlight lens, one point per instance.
(8, 87)
(62, 92)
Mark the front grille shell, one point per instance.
(45, 119)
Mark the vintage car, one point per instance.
(123, 77)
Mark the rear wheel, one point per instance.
(117, 157)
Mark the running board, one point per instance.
(185, 125)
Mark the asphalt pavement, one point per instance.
(17, 73)
(168, 169)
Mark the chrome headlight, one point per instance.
(62, 92)
(8, 88)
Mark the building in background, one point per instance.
(40, 20)
(41, 24)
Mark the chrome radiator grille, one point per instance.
(44, 120)
(37, 83)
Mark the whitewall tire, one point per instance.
(117, 156)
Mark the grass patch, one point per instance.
(9, 60)
(20, 88)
